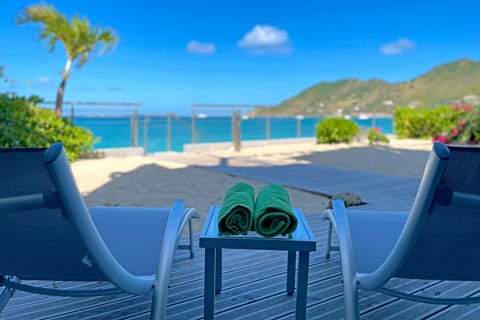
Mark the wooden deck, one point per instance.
(254, 281)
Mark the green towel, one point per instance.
(235, 216)
(273, 213)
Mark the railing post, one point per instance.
(267, 128)
(299, 126)
(169, 132)
(131, 131)
(134, 128)
(145, 135)
(193, 127)
(237, 131)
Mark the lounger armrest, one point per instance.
(468, 200)
(29, 202)
(175, 221)
(339, 219)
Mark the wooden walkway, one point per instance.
(254, 281)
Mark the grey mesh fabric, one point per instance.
(42, 243)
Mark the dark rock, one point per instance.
(349, 198)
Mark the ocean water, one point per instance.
(116, 132)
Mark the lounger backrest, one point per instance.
(38, 243)
(448, 244)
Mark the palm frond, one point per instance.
(53, 26)
(77, 37)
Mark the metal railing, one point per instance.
(113, 112)
(119, 125)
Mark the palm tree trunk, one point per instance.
(61, 88)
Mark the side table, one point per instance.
(300, 240)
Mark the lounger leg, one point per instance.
(190, 236)
(291, 272)
(159, 299)
(218, 270)
(303, 259)
(6, 294)
(189, 246)
(329, 240)
(351, 299)
(209, 286)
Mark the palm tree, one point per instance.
(78, 38)
(2, 76)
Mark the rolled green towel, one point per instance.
(273, 214)
(235, 216)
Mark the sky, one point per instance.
(175, 53)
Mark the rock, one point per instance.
(349, 198)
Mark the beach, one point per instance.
(159, 179)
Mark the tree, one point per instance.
(78, 38)
(2, 75)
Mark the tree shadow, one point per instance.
(156, 186)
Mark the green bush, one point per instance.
(424, 123)
(466, 128)
(375, 136)
(336, 130)
(23, 124)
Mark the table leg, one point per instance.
(208, 298)
(218, 270)
(291, 272)
(302, 285)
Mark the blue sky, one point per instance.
(173, 53)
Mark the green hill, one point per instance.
(448, 83)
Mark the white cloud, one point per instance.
(400, 46)
(264, 39)
(198, 47)
(41, 83)
(45, 80)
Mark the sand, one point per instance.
(157, 180)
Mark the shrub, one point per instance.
(336, 130)
(466, 127)
(375, 136)
(23, 124)
(423, 123)
(457, 124)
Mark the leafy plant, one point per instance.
(424, 123)
(23, 124)
(458, 124)
(466, 129)
(375, 136)
(336, 130)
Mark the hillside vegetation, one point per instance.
(457, 81)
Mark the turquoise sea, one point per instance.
(116, 132)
